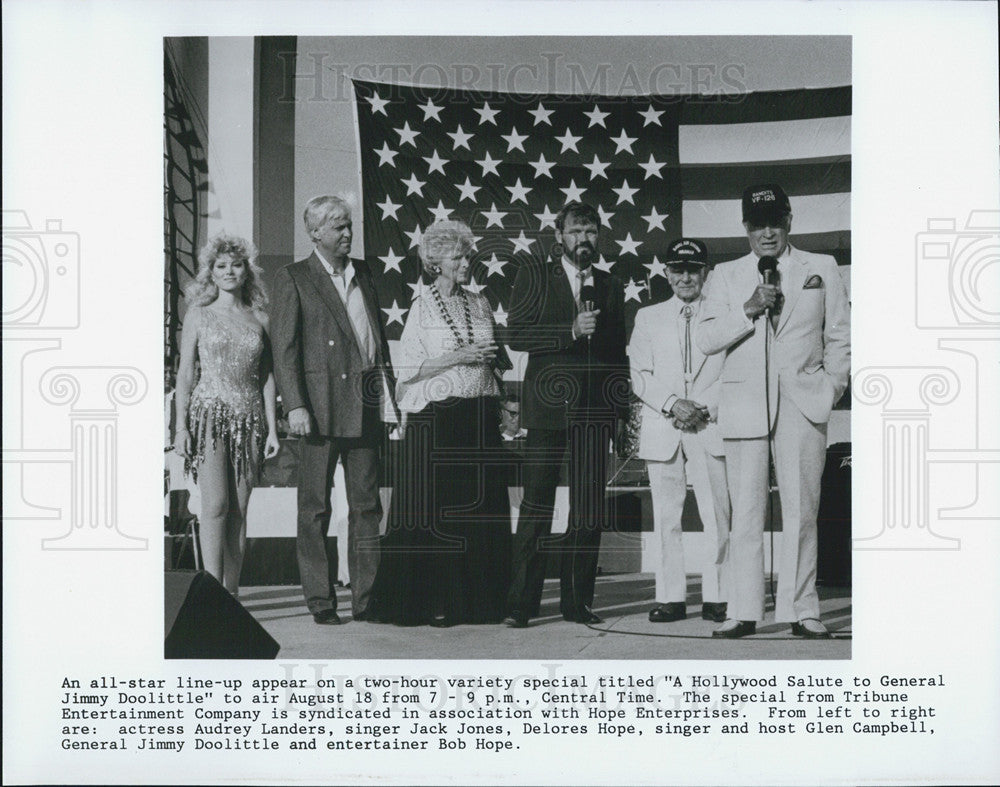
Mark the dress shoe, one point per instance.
(586, 616)
(734, 629)
(516, 620)
(714, 610)
(327, 617)
(668, 613)
(810, 628)
(439, 621)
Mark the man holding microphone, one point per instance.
(782, 319)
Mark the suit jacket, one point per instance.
(317, 361)
(566, 374)
(657, 364)
(810, 351)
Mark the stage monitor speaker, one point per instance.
(203, 621)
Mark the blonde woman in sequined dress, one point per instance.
(226, 421)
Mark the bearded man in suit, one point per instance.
(679, 388)
(781, 319)
(332, 364)
(569, 317)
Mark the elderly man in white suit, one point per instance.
(678, 385)
(791, 319)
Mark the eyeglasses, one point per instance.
(510, 412)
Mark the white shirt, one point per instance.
(354, 302)
(573, 274)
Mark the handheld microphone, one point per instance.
(587, 297)
(768, 268)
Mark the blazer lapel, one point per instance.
(330, 297)
(562, 292)
(363, 280)
(795, 272)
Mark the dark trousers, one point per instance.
(317, 554)
(587, 442)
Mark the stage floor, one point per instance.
(623, 600)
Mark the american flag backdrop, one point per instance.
(655, 167)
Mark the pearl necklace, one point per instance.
(439, 301)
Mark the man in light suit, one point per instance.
(679, 387)
(795, 324)
(332, 364)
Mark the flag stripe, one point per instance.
(722, 181)
(811, 213)
(764, 106)
(758, 142)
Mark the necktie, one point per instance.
(687, 312)
(580, 278)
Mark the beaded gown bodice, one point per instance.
(227, 402)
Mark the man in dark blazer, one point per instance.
(333, 370)
(569, 318)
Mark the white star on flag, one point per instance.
(541, 165)
(431, 110)
(500, 316)
(652, 168)
(546, 217)
(389, 208)
(435, 162)
(597, 168)
(474, 287)
(494, 217)
(522, 242)
(440, 213)
(489, 164)
(625, 193)
(651, 116)
(655, 220)
(386, 156)
(628, 245)
(605, 215)
(541, 114)
(573, 192)
(655, 268)
(515, 140)
(414, 236)
(460, 138)
(596, 117)
(392, 261)
(623, 142)
(468, 191)
(518, 192)
(378, 104)
(487, 114)
(602, 264)
(416, 289)
(394, 313)
(633, 291)
(568, 141)
(413, 185)
(494, 265)
(407, 135)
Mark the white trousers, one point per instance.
(668, 488)
(799, 448)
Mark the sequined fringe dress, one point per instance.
(227, 404)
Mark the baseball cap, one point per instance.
(765, 203)
(687, 250)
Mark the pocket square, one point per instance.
(814, 282)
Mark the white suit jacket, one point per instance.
(656, 363)
(810, 350)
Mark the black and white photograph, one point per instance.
(568, 393)
(452, 206)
